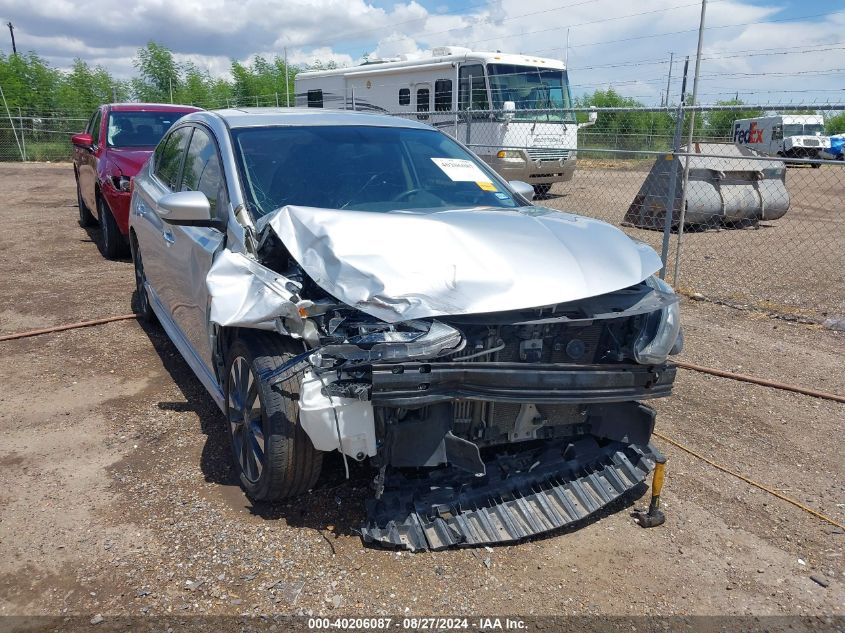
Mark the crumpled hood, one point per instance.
(129, 161)
(407, 265)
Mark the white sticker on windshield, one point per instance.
(461, 170)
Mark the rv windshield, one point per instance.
(531, 88)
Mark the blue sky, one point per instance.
(773, 54)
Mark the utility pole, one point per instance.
(12, 33)
(689, 142)
(669, 80)
(566, 55)
(170, 83)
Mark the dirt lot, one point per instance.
(116, 495)
(795, 264)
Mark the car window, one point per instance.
(202, 171)
(169, 157)
(139, 129)
(365, 168)
(95, 127)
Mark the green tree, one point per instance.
(718, 124)
(635, 130)
(159, 73)
(83, 89)
(29, 83)
(835, 124)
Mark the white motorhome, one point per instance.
(517, 119)
(792, 136)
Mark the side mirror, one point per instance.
(508, 110)
(83, 140)
(523, 189)
(188, 208)
(591, 118)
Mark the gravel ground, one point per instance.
(117, 497)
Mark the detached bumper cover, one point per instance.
(521, 496)
(416, 384)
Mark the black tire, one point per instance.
(142, 299)
(113, 245)
(86, 218)
(541, 191)
(288, 464)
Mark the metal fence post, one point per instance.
(673, 176)
(23, 140)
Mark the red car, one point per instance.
(114, 146)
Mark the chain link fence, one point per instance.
(733, 225)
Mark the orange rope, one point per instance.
(69, 326)
(774, 493)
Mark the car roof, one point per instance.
(151, 107)
(264, 117)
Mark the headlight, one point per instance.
(660, 334)
(423, 340)
(509, 153)
(121, 183)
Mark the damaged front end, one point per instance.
(493, 428)
(485, 427)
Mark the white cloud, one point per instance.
(212, 32)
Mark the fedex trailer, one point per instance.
(790, 136)
(514, 111)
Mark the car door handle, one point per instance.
(168, 237)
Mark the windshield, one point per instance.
(807, 129)
(362, 168)
(139, 129)
(531, 88)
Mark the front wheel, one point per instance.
(113, 245)
(143, 307)
(273, 455)
(86, 219)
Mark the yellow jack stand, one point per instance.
(654, 516)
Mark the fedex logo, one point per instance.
(752, 135)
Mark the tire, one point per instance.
(113, 244)
(86, 218)
(142, 299)
(272, 454)
(541, 191)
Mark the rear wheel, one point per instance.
(85, 217)
(112, 241)
(541, 190)
(273, 455)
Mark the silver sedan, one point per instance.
(365, 284)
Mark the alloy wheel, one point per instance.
(245, 419)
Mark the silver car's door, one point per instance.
(190, 249)
(162, 177)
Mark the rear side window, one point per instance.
(202, 170)
(168, 157)
(404, 96)
(315, 98)
(442, 95)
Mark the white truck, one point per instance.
(514, 111)
(791, 136)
